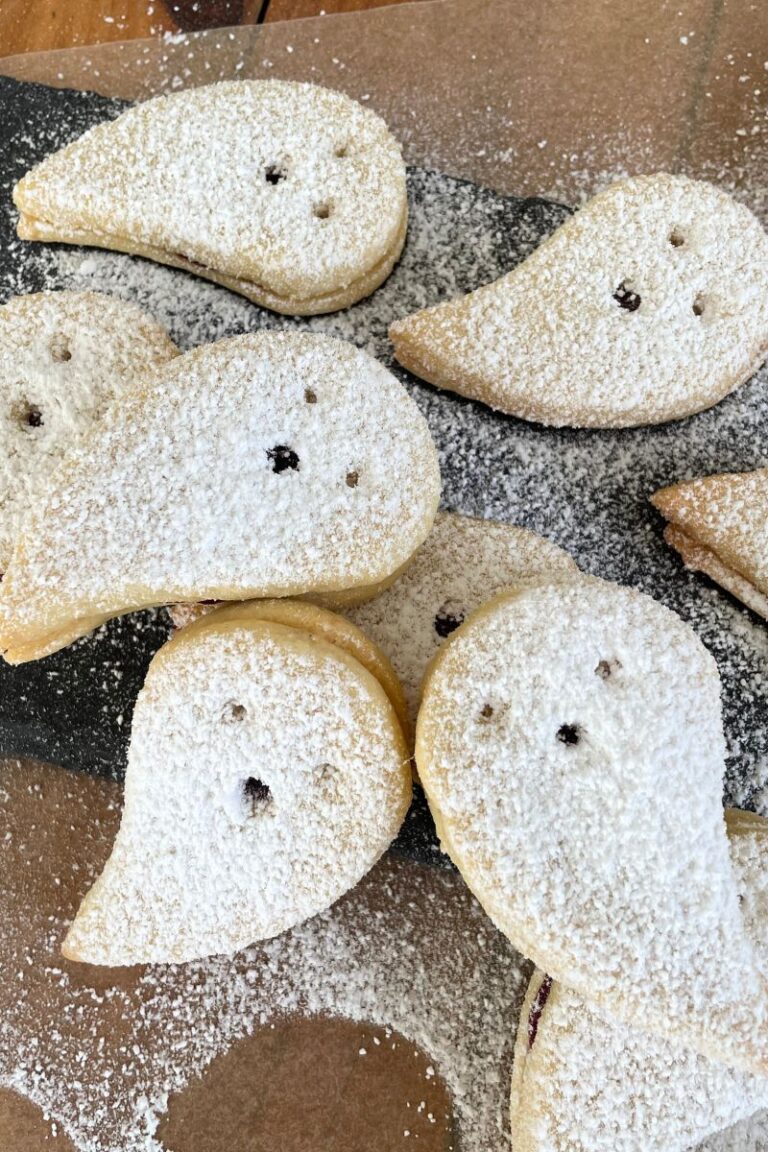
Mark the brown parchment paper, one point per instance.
(539, 97)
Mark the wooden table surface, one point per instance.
(39, 25)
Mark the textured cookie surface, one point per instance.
(266, 465)
(563, 731)
(462, 563)
(64, 358)
(582, 1083)
(650, 304)
(290, 193)
(719, 524)
(266, 774)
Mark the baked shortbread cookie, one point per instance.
(266, 465)
(650, 304)
(64, 358)
(290, 194)
(719, 525)
(563, 732)
(461, 564)
(267, 772)
(582, 1083)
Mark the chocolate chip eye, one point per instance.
(60, 351)
(486, 712)
(310, 396)
(233, 712)
(698, 306)
(626, 297)
(569, 734)
(274, 174)
(340, 151)
(352, 479)
(256, 795)
(606, 668)
(283, 458)
(322, 211)
(447, 620)
(676, 238)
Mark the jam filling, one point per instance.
(534, 1016)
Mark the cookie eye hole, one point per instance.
(486, 712)
(274, 174)
(322, 211)
(626, 297)
(310, 396)
(607, 668)
(698, 306)
(60, 350)
(447, 619)
(256, 795)
(352, 479)
(233, 712)
(569, 734)
(340, 151)
(31, 417)
(283, 458)
(676, 238)
(324, 772)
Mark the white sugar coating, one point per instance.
(728, 516)
(64, 358)
(462, 563)
(649, 304)
(570, 744)
(293, 188)
(266, 775)
(589, 1084)
(272, 464)
(408, 949)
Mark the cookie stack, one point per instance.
(278, 492)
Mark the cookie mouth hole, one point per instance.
(283, 459)
(256, 795)
(323, 211)
(569, 734)
(626, 297)
(352, 479)
(698, 306)
(676, 238)
(537, 1008)
(275, 174)
(447, 619)
(310, 396)
(28, 415)
(233, 712)
(60, 350)
(607, 668)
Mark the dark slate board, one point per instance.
(585, 490)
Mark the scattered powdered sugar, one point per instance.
(100, 1050)
(570, 741)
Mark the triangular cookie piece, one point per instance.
(719, 525)
(650, 304)
(563, 731)
(267, 465)
(291, 194)
(267, 773)
(582, 1083)
(65, 357)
